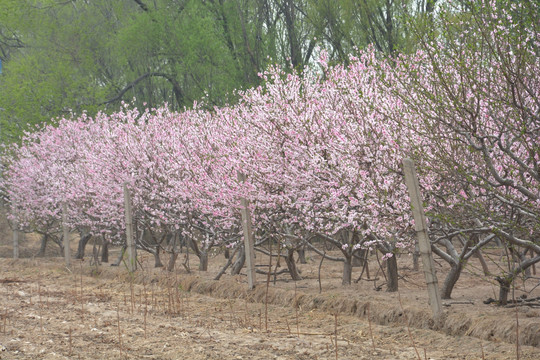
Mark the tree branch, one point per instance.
(176, 87)
(517, 241)
(324, 254)
(142, 5)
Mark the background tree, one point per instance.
(471, 93)
(63, 56)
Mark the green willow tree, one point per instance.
(72, 56)
(348, 25)
(88, 56)
(55, 69)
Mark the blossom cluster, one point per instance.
(320, 152)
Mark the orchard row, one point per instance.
(317, 155)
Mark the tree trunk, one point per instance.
(347, 271)
(172, 261)
(182, 244)
(522, 258)
(291, 265)
(392, 273)
(59, 242)
(506, 281)
(227, 253)
(203, 260)
(504, 289)
(174, 254)
(121, 256)
(44, 239)
(451, 280)
(533, 265)
(95, 253)
(302, 255)
(480, 257)
(105, 251)
(359, 258)
(157, 260)
(82, 245)
(193, 245)
(239, 263)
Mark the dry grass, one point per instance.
(481, 326)
(480, 321)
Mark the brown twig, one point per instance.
(131, 293)
(517, 331)
(70, 342)
(82, 296)
(246, 322)
(296, 310)
(409, 328)
(335, 334)
(320, 265)
(145, 314)
(267, 287)
(370, 330)
(40, 308)
(119, 331)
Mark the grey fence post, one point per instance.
(248, 237)
(67, 250)
(15, 241)
(131, 249)
(411, 179)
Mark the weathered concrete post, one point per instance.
(424, 245)
(131, 249)
(67, 250)
(248, 237)
(15, 241)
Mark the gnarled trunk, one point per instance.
(172, 261)
(347, 271)
(480, 257)
(302, 255)
(157, 260)
(359, 258)
(203, 260)
(504, 288)
(392, 274)
(82, 245)
(507, 280)
(291, 265)
(43, 246)
(174, 254)
(239, 263)
(105, 252)
(121, 256)
(451, 280)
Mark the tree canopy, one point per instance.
(73, 56)
(319, 149)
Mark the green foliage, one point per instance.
(54, 72)
(63, 56)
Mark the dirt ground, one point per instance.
(90, 311)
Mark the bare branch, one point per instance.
(176, 87)
(517, 241)
(142, 5)
(323, 254)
